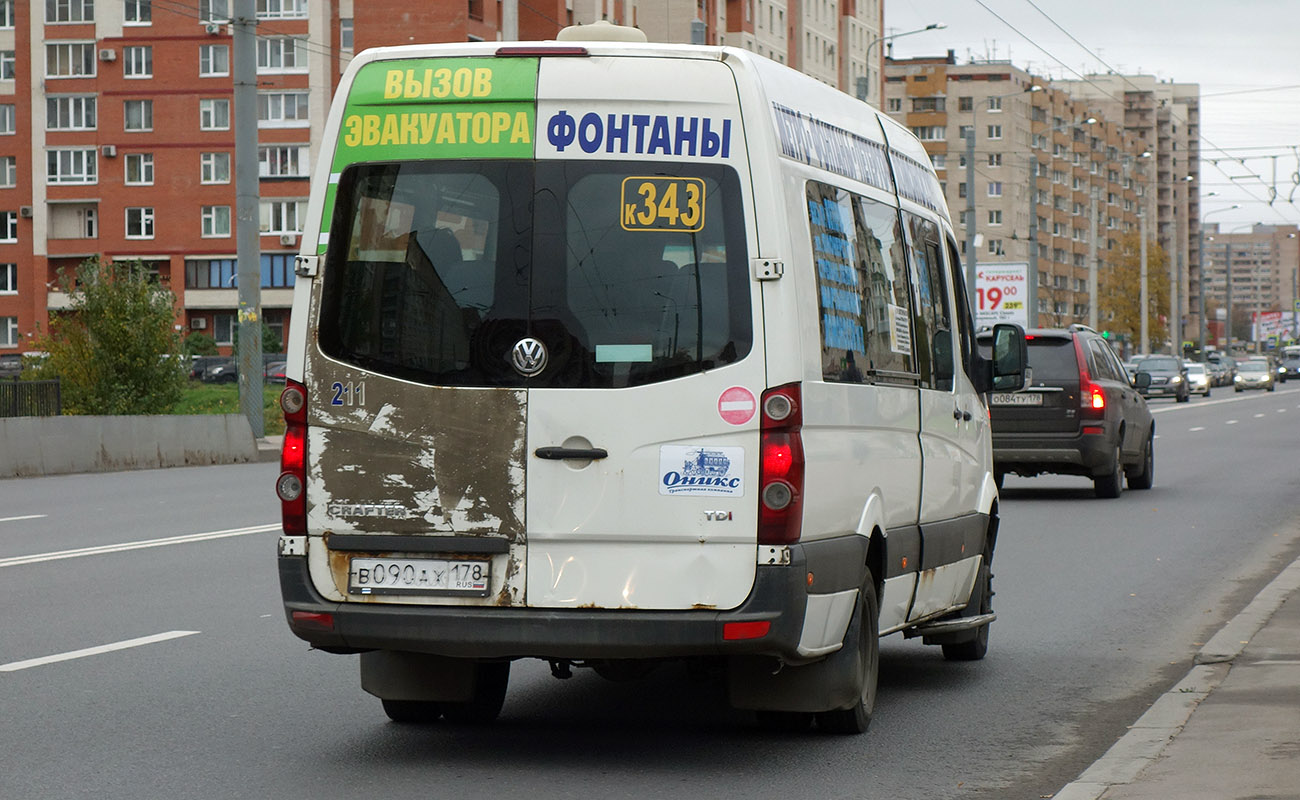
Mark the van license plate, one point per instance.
(418, 576)
(1016, 399)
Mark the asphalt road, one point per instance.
(203, 693)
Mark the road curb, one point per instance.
(1148, 737)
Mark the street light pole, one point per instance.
(864, 92)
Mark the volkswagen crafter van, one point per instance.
(605, 353)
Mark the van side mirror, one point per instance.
(1010, 368)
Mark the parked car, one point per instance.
(11, 365)
(274, 372)
(1198, 378)
(1080, 415)
(1288, 366)
(1253, 374)
(225, 370)
(1168, 378)
(200, 364)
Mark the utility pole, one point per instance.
(1031, 311)
(971, 270)
(1144, 346)
(247, 244)
(1092, 257)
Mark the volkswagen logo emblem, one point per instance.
(528, 357)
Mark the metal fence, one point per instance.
(30, 398)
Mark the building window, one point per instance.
(138, 12)
(216, 221)
(7, 14)
(214, 168)
(139, 169)
(214, 60)
(8, 226)
(995, 131)
(71, 112)
(137, 115)
(995, 159)
(345, 33)
(281, 9)
(8, 279)
(281, 216)
(8, 172)
(939, 160)
(69, 10)
(894, 104)
(995, 217)
(995, 247)
(283, 54)
(995, 104)
(214, 10)
(8, 119)
(995, 188)
(137, 61)
(139, 223)
(71, 166)
(277, 270)
(282, 109)
(8, 331)
(214, 115)
(223, 328)
(70, 60)
(214, 273)
(7, 69)
(965, 104)
(282, 161)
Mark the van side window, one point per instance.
(862, 287)
(965, 323)
(934, 323)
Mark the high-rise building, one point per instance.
(117, 122)
(1022, 189)
(1262, 266)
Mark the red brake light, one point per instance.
(781, 466)
(733, 631)
(561, 50)
(1094, 397)
(291, 485)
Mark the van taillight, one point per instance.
(293, 460)
(781, 466)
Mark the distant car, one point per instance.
(1198, 378)
(1168, 378)
(1254, 374)
(1080, 415)
(1288, 366)
(1218, 373)
(224, 371)
(274, 372)
(1227, 365)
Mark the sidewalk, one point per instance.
(1230, 730)
(268, 448)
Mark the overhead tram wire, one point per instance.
(190, 10)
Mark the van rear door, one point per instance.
(536, 379)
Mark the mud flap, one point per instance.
(393, 675)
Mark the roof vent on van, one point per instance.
(601, 31)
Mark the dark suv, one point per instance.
(1078, 415)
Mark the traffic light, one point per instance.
(1105, 334)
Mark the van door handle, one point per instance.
(574, 453)
(960, 415)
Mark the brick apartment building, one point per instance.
(117, 122)
(1043, 160)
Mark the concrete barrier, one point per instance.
(59, 445)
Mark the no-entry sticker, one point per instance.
(737, 405)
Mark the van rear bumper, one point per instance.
(779, 597)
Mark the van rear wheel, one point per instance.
(413, 712)
(863, 637)
(490, 682)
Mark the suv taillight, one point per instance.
(781, 466)
(1092, 397)
(293, 460)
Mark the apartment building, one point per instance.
(1040, 163)
(1262, 267)
(1165, 117)
(117, 122)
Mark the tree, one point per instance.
(115, 347)
(199, 344)
(1119, 291)
(270, 342)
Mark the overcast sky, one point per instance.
(1241, 53)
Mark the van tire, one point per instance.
(1110, 485)
(490, 681)
(413, 712)
(862, 641)
(981, 602)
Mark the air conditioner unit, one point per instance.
(109, 150)
(288, 239)
(25, 211)
(107, 55)
(199, 324)
(212, 28)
